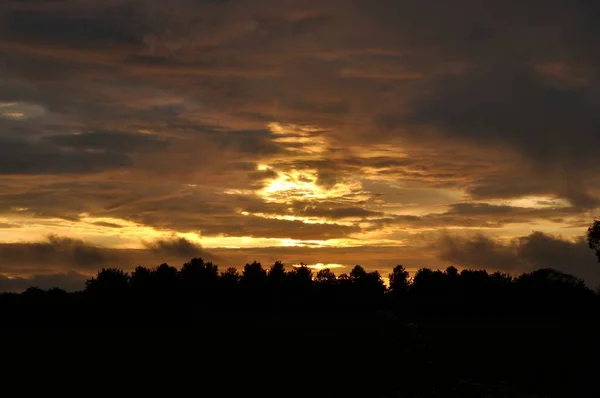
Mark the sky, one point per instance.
(327, 132)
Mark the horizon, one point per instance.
(327, 132)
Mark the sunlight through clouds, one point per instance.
(309, 128)
(20, 110)
(319, 266)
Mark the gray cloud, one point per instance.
(71, 281)
(108, 141)
(30, 157)
(67, 262)
(523, 254)
(178, 247)
(55, 251)
(413, 101)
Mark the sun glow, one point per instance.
(20, 110)
(305, 220)
(302, 185)
(319, 266)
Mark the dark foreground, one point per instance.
(375, 356)
(198, 332)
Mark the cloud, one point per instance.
(56, 251)
(524, 254)
(70, 282)
(108, 141)
(67, 262)
(18, 156)
(178, 247)
(395, 119)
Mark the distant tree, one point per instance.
(254, 275)
(547, 278)
(357, 273)
(57, 293)
(375, 282)
(429, 283)
(167, 282)
(141, 279)
(34, 293)
(301, 277)
(451, 271)
(108, 281)
(230, 278)
(325, 277)
(197, 273)
(364, 282)
(474, 281)
(501, 278)
(344, 277)
(546, 292)
(277, 275)
(593, 237)
(399, 281)
(166, 275)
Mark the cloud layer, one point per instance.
(332, 125)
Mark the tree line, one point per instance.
(199, 290)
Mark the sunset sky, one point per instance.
(342, 132)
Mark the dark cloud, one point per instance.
(329, 210)
(19, 156)
(68, 262)
(337, 213)
(159, 114)
(478, 215)
(479, 252)
(71, 281)
(178, 247)
(109, 26)
(56, 251)
(260, 227)
(552, 126)
(255, 142)
(107, 224)
(108, 141)
(524, 254)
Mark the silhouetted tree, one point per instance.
(34, 293)
(108, 281)
(325, 277)
(230, 278)
(429, 282)
(357, 273)
(165, 295)
(300, 289)
(198, 274)
(367, 288)
(428, 287)
(142, 280)
(399, 281)
(254, 289)
(550, 279)
(277, 284)
(277, 276)
(451, 272)
(547, 292)
(301, 277)
(593, 237)
(229, 297)
(254, 276)
(57, 293)
(167, 277)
